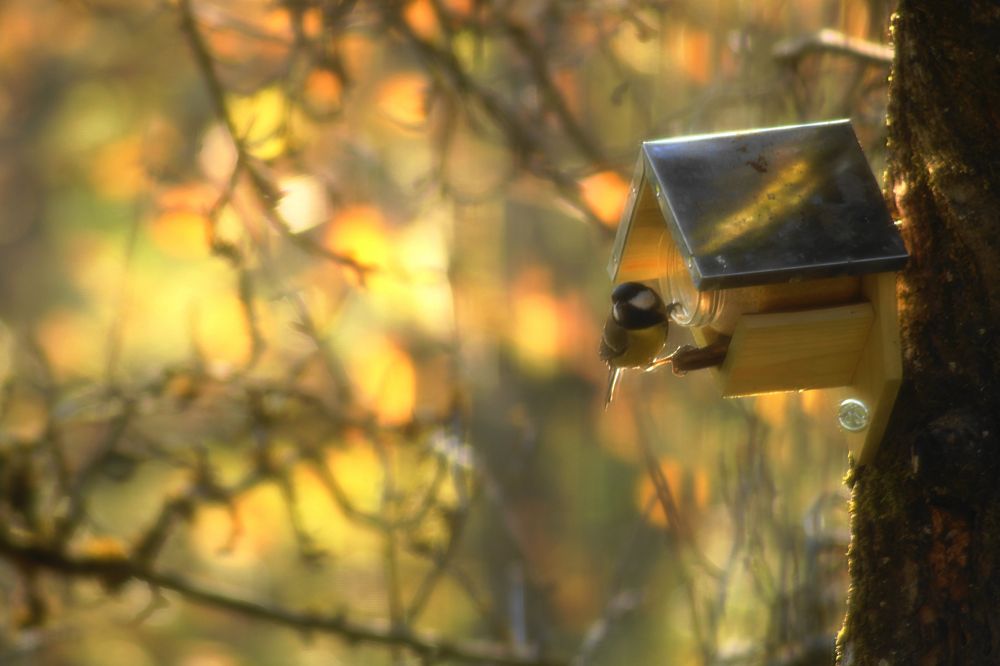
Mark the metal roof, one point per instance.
(769, 205)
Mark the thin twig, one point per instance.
(552, 95)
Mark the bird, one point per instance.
(635, 331)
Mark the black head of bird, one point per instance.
(635, 331)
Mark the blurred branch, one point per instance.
(246, 288)
(116, 334)
(114, 572)
(525, 135)
(33, 549)
(306, 325)
(265, 191)
(390, 544)
(621, 600)
(677, 525)
(791, 50)
(68, 523)
(679, 534)
(551, 94)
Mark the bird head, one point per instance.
(635, 306)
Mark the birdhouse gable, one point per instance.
(637, 251)
(757, 207)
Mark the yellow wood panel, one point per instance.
(880, 368)
(641, 257)
(789, 351)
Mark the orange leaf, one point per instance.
(605, 193)
(420, 16)
(403, 99)
(312, 22)
(323, 90)
(695, 54)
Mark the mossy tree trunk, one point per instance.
(925, 553)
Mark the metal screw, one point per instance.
(853, 415)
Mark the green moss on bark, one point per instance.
(926, 512)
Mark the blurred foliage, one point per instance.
(300, 304)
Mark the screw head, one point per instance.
(853, 415)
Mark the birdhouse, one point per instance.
(776, 243)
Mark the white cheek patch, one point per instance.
(644, 300)
(616, 312)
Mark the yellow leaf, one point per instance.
(181, 233)
(259, 119)
(223, 332)
(536, 328)
(359, 472)
(386, 380)
(359, 231)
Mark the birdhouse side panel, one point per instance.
(880, 368)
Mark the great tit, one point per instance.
(635, 331)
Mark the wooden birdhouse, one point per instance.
(777, 243)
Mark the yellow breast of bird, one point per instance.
(644, 345)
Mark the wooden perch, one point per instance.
(687, 358)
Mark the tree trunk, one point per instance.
(925, 553)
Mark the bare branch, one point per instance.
(831, 41)
(116, 572)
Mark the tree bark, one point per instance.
(925, 549)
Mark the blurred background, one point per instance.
(300, 304)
